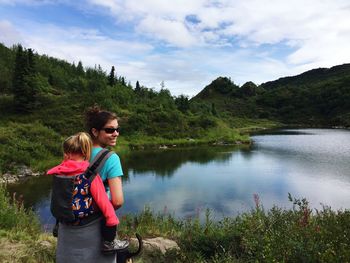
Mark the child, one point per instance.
(77, 150)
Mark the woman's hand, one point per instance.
(116, 189)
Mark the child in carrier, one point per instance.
(77, 150)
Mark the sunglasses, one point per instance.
(111, 130)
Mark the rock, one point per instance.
(157, 244)
(22, 172)
(8, 178)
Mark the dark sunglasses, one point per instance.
(111, 130)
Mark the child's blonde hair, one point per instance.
(79, 143)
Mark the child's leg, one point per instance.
(110, 242)
(108, 232)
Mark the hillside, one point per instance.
(319, 97)
(43, 99)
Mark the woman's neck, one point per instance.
(97, 145)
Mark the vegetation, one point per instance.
(300, 234)
(319, 97)
(21, 238)
(43, 99)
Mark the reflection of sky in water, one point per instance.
(313, 164)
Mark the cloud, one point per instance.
(9, 34)
(172, 31)
(187, 44)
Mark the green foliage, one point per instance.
(6, 69)
(24, 88)
(20, 233)
(29, 144)
(182, 103)
(13, 215)
(277, 235)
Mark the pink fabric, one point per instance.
(71, 168)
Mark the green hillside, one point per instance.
(319, 97)
(43, 99)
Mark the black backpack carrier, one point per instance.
(71, 200)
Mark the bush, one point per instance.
(14, 216)
(28, 144)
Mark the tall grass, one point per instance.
(300, 234)
(21, 239)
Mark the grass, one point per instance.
(21, 239)
(299, 234)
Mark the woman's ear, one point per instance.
(66, 156)
(95, 132)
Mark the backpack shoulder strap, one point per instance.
(98, 162)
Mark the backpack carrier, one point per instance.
(71, 200)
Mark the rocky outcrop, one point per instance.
(22, 172)
(156, 244)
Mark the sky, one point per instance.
(185, 44)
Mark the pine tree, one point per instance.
(23, 85)
(137, 88)
(80, 69)
(111, 77)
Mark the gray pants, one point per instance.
(81, 244)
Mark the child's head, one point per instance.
(79, 144)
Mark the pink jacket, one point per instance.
(71, 168)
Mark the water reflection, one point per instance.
(166, 162)
(310, 163)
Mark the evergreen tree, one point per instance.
(24, 89)
(182, 103)
(137, 88)
(30, 78)
(122, 81)
(80, 69)
(111, 77)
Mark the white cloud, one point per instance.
(172, 31)
(189, 43)
(8, 34)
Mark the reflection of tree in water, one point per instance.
(33, 189)
(166, 162)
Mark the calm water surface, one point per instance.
(310, 163)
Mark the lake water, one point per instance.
(310, 163)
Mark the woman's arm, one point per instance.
(116, 189)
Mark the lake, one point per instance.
(308, 163)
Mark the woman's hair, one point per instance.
(79, 143)
(97, 118)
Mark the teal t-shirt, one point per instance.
(112, 167)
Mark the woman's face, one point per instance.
(107, 136)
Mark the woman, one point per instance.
(83, 244)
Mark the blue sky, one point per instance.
(185, 43)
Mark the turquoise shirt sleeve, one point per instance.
(112, 167)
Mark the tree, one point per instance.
(24, 88)
(80, 69)
(182, 103)
(111, 77)
(138, 87)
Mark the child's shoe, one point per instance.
(114, 246)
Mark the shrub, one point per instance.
(27, 144)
